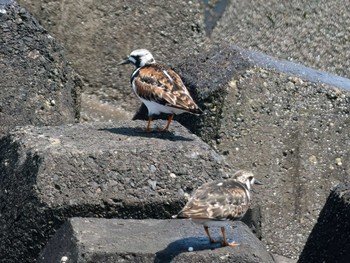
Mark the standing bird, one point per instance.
(219, 202)
(158, 87)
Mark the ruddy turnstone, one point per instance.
(219, 202)
(159, 87)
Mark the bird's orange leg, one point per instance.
(225, 243)
(208, 234)
(168, 123)
(148, 124)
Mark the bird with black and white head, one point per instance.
(160, 88)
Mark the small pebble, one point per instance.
(153, 168)
(190, 249)
(338, 161)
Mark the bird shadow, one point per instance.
(180, 246)
(139, 132)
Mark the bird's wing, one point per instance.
(164, 86)
(214, 201)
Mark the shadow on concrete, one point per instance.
(139, 132)
(181, 246)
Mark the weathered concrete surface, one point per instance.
(84, 240)
(282, 259)
(97, 35)
(329, 240)
(37, 85)
(48, 174)
(314, 33)
(93, 109)
(291, 68)
(292, 132)
(296, 134)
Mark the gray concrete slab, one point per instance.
(313, 33)
(37, 85)
(116, 240)
(49, 174)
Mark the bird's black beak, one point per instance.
(126, 61)
(258, 182)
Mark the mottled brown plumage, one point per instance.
(159, 87)
(162, 85)
(216, 203)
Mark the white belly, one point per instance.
(155, 108)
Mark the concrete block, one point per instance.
(83, 240)
(329, 240)
(310, 33)
(37, 86)
(48, 174)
